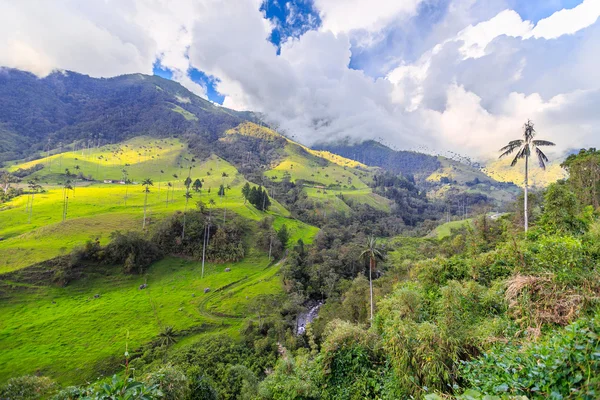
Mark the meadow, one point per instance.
(97, 209)
(77, 332)
(74, 333)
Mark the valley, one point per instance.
(155, 244)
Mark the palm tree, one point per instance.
(187, 196)
(34, 187)
(67, 186)
(168, 188)
(211, 203)
(372, 253)
(524, 148)
(146, 183)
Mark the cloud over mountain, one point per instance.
(461, 75)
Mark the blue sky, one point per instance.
(292, 18)
(461, 75)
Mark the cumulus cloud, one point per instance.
(343, 16)
(472, 75)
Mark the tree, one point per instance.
(246, 191)
(66, 187)
(283, 235)
(168, 188)
(6, 179)
(34, 187)
(187, 196)
(584, 175)
(197, 185)
(221, 192)
(524, 148)
(372, 253)
(146, 183)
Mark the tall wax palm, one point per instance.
(146, 183)
(372, 253)
(168, 188)
(187, 196)
(34, 187)
(211, 203)
(524, 148)
(67, 186)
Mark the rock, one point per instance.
(193, 294)
(97, 296)
(143, 286)
(206, 290)
(53, 302)
(227, 269)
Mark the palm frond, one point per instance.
(512, 146)
(528, 131)
(524, 151)
(543, 143)
(542, 159)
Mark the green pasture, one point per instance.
(69, 334)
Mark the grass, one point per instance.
(70, 335)
(445, 230)
(307, 167)
(96, 210)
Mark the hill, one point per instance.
(501, 171)
(439, 176)
(77, 110)
(376, 154)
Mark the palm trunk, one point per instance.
(371, 262)
(145, 201)
(184, 212)
(526, 212)
(31, 207)
(204, 249)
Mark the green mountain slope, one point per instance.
(40, 114)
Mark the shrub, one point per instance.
(27, 387)
(565, 364)
(171, 381)
(132, 250)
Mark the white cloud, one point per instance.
(341, 16)
(566, 22)
(477, 75)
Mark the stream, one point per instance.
(307, 317)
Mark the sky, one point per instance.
(429, 75)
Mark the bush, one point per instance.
(132, 250)
(171, 381)
(565, 364)
(27, 387)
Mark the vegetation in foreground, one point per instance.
(487, 312)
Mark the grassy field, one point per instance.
(70, 335)
(96, 210)
(445, 230)
(77, 332)
(300, 164)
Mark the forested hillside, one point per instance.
(73, 109)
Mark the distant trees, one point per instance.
(258, 197)
(524, 148)
(197, 185)
(146, 183)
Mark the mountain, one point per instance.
(439, 176)
(374, 153)
(38, 114)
